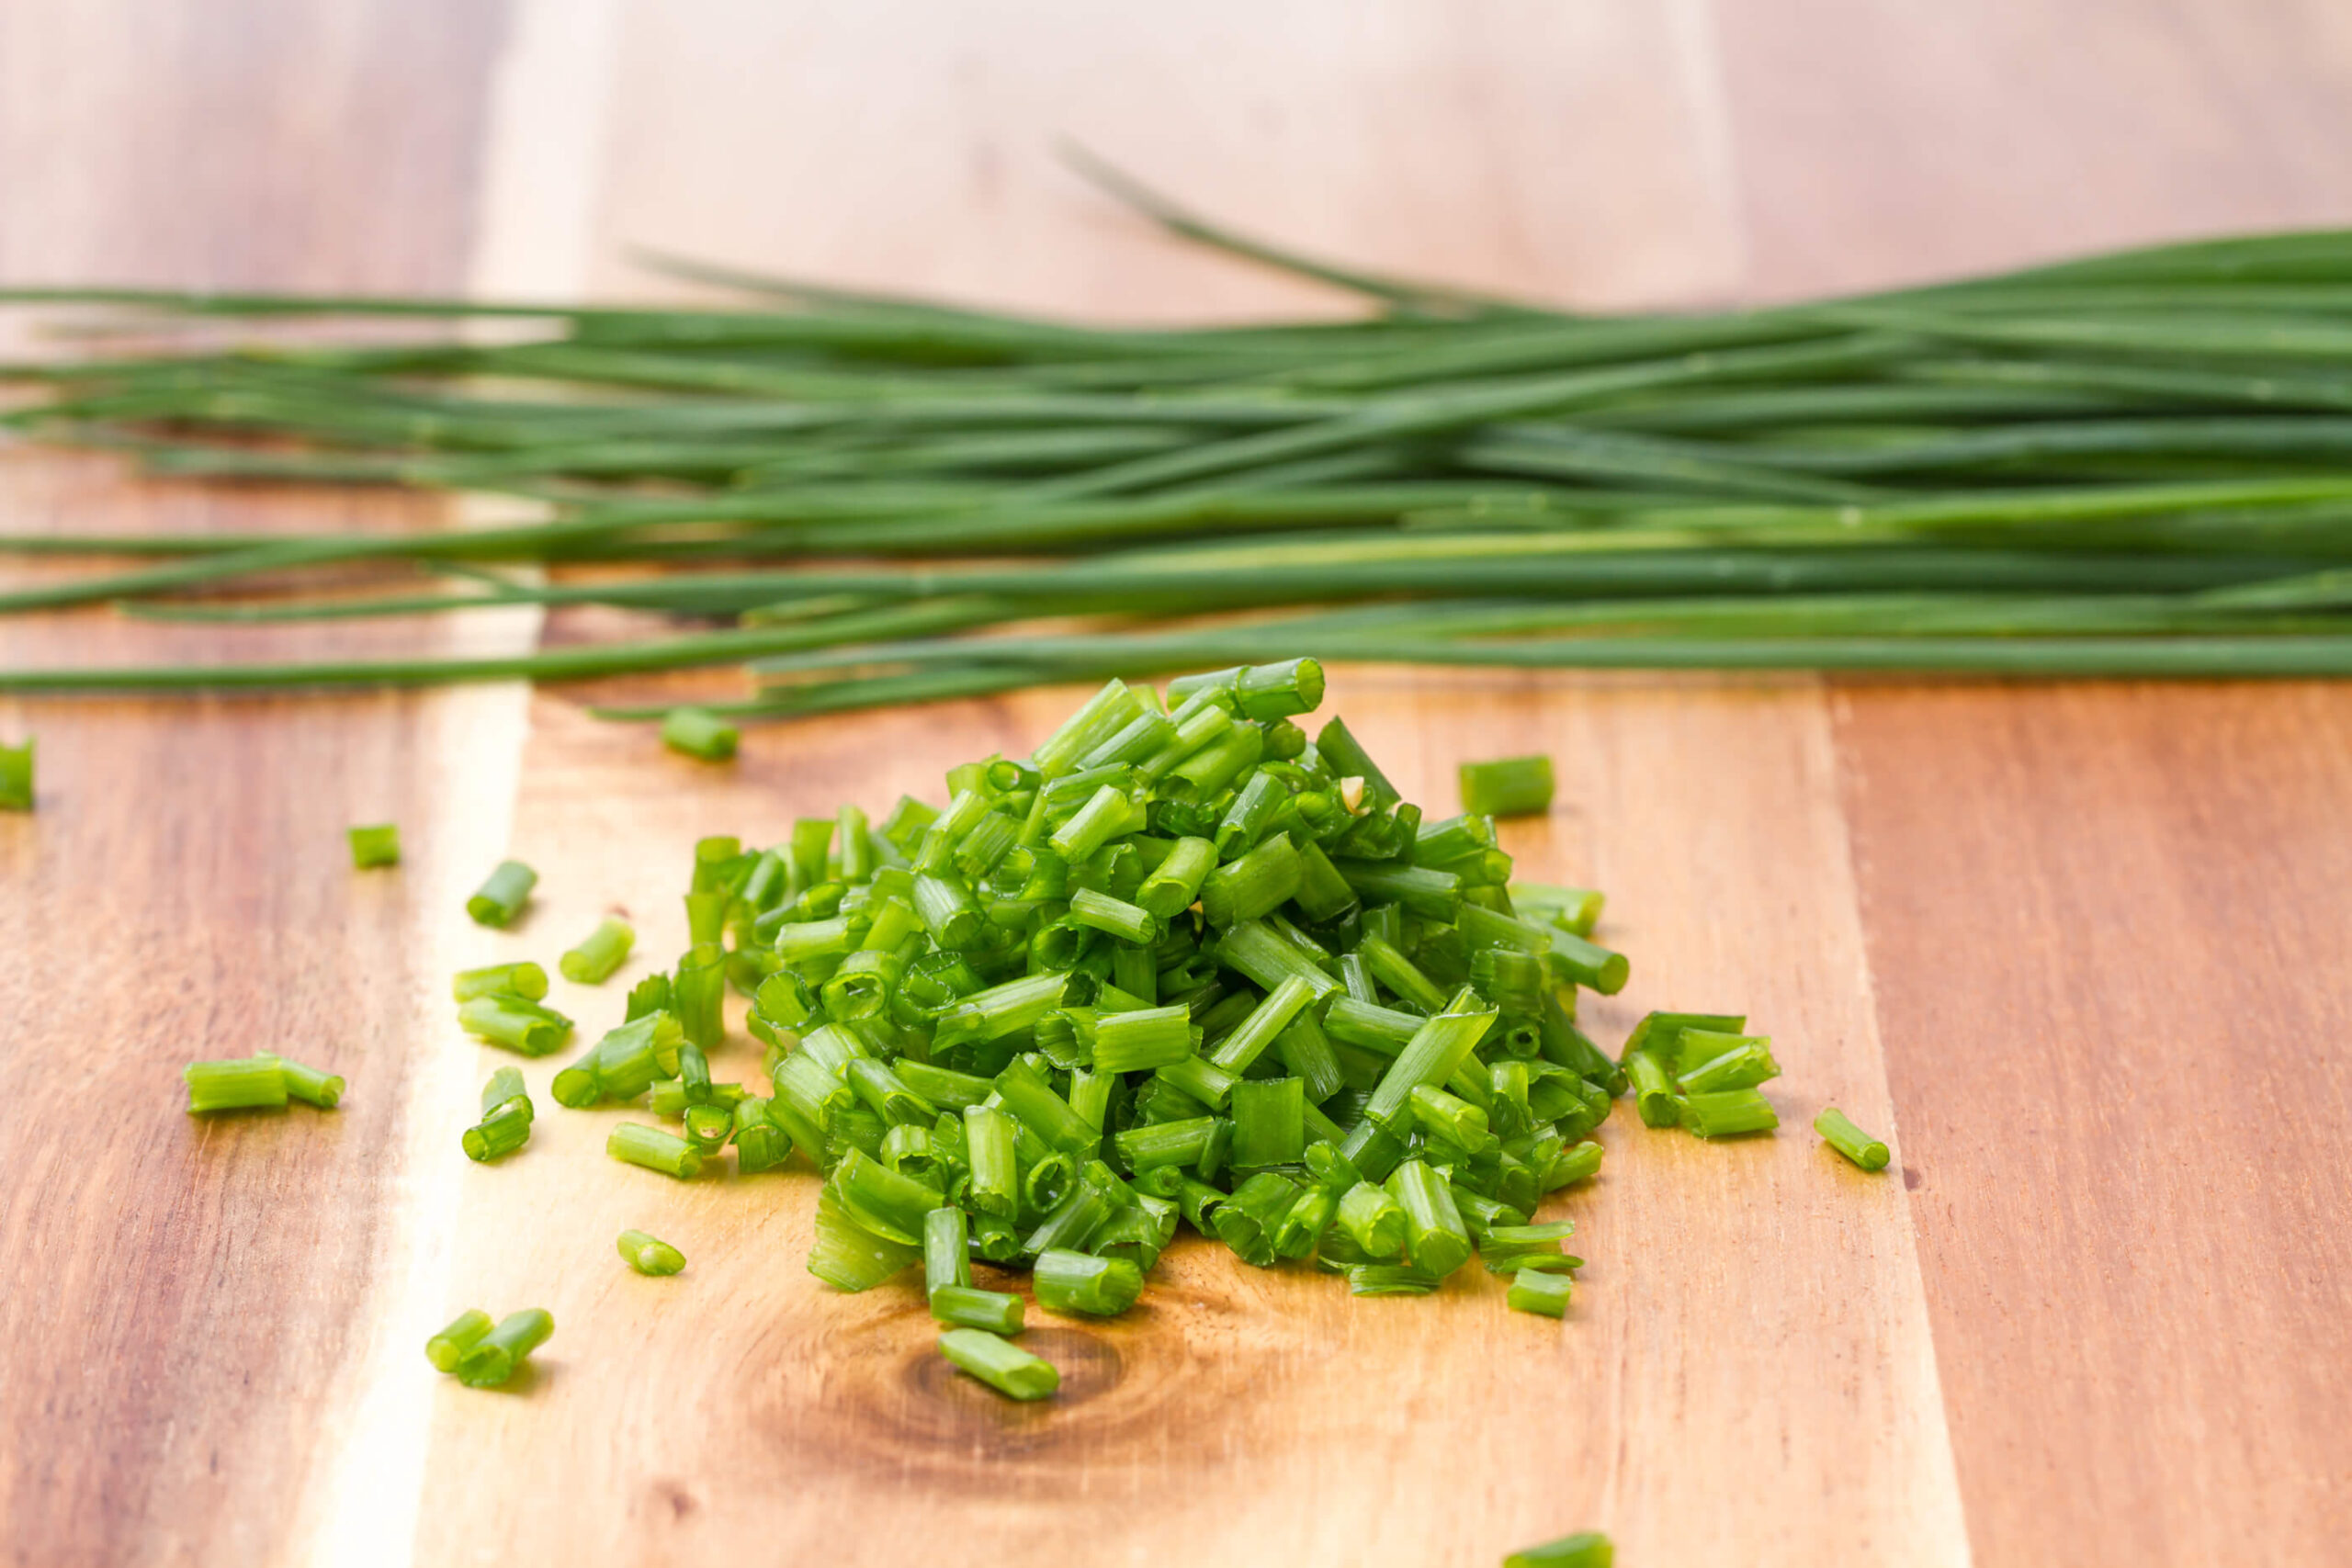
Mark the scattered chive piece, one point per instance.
(17, 776)
(1541, 1291)
(503, 894)
(505, 1085)
(946, 1250)
(515, 1023)
(372, 847)
(1841, 1134)
(244, 1084)
(1390, 1279)
(1073, 1281)
(526, 980)
(1586, 1549)
(603, 950)
(649, 1255)
(999, 1312)
(1513, 787)
(698, 732)
(498, 1133)
(1727, 1114)
(998, 1362)
(448, 1347)
(1507, 1249)
(633, 1142)
(307, 1085)
(493, 1359)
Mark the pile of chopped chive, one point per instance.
(2137, 464)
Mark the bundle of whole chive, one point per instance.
(1182, 963)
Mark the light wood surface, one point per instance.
(2078, 949)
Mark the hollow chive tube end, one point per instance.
(650, 1255)
(1840, 1134)
(603, 950)
(1510, 786)
(374, 846)
(495, 1359)
(699, 733)
(999, 1363)
(503, 894)
(448, 1347)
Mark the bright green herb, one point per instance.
(998, 1362)
(1073, 1281)
(697, 732)
(1507, 1249)
(503, 894)
(1390, 1279)
(649, 1255)
(505, 1087)
(307, 1085)
(1586, 1549)
(16, 777)
(1539, 1290)
(526, 980)
(1841, 1134)
(376, 846)
(603, 950)
(633, 1142)
(962, 1306)
(493, 1359)
(517, 1024)
(1514, 786)
(448, 1347)
(237, 1085)
(1728, 1113)
(500, 1133)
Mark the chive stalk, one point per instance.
(503, 894)
(600, 952)
(374, 846)
(1840, 1134)
(998, 1362)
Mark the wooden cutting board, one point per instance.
(2081, 950)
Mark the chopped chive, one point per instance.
(307, 1085)
(633, 1142)
(1258, 884)
(1726, 1061)
(493, 1359)
(1652, 1090)
(1856, 1145)
(515, 1023)
(1287, 1001)
(448, 1347)
(1578, 1164)
(1506, 1249)
(1513, 787)
(998, 1362)
(962, 1306)
(1539, 1290)
(500, 1133)
(505, 1085)
(1586, 1548)
(1269, 1123)
(710, 1126)
(503, 894)
(16, 779)
(697, 732)
(1372, 1219)
(946, 1255)
(649, 1255)
(847, 1256)
(526, 980)
(761, 1142)
(374, 846)
(1145, 1039)
(1590, 963)
(603, 950)
(1728, 1113)
(1070, 1282)
(1390, 1279)
(250, 1083)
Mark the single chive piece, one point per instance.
(1577, 1164)
(999, 1312)
(1590, 963)
(604, 950)
(16, 777)
(1175, 883)
(761, 1143)
(999, 1363)
(1152, 1145)
(448, 1347)
(1727, 1114)
(250, 1083)
(307, 1085)
(650, 1255)
(1432, 1055)
(1372, 1219)
(1841, 1134)
(946, 1251)
(374, 846)
(1447, 1116)
(1143, 1040)
(710, 1126)
(515, 1023)
(1258, 884)
(698, 732)
(1128, 923)
(1511, 786)
(494, 1358)
(1506, 1249)
(526, 980)
(1269, 1123)
(505, 1085)
(1726, 1061)
(1390, 1279)
(1240, 1051)
(633, 1142)
(1435, 1237)
(990, 1137)
(1586, 1549)
(1652, 1090)
(503, 894)
(1257, 950)
(498, 1133)
(1539, 1290)
(847, 1256)
(1070, 1282)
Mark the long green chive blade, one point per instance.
(16, 779)
(1513, 786)
(697, 732)
(998, 1362)
(448, 1347)
(1840, 1134)
(371, 847)
(650, 1255)
(600, 952)
(1586, 1548)
(503, 894)
(252, 1083)
(492, 1360)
